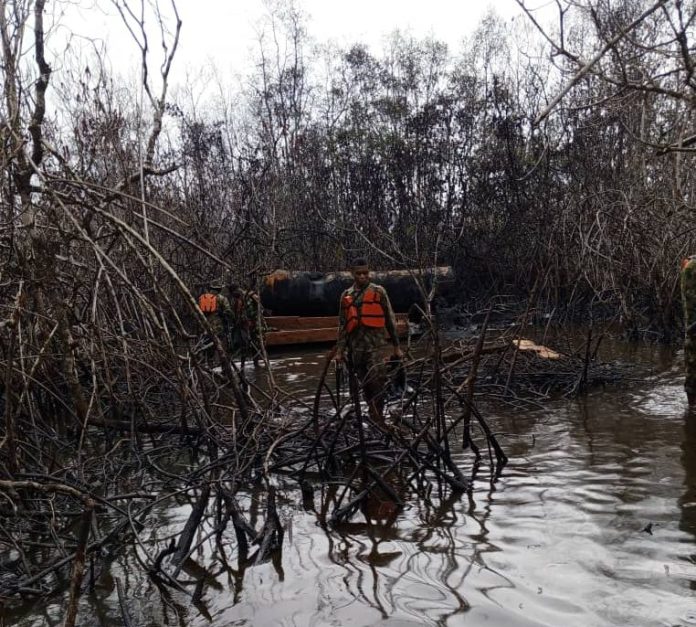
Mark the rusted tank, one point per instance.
(317, 294)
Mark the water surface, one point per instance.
(593, 523)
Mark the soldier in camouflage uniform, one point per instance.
(688, 290)
(365, 315)
(220, 319)
(246, 334)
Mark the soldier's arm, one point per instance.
(342, 335)
(229, 310)
(255, 312)
(247, 310)
(225, 310)
(390, 318)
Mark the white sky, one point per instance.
(224, 31)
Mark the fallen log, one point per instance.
(543, 352)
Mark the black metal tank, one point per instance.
(317, 294)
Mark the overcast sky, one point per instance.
(225, 31)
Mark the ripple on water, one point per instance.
(662, 401)
(557, 542)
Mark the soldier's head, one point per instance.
(361, 271)
(235, 290)
(215, 286)
(687, 260)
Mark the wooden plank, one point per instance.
(314, 336)
(543, 352)
(300, 336)
(292, 323)
(283, 323)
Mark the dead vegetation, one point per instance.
(110, 416)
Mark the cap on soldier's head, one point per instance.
(359, 262)
(216, 285)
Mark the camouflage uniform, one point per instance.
(219, 320)
(246, 336)
(365, 346)
(688, 290)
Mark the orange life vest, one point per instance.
(368, 312)
(207, 303)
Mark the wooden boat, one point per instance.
(288, 330)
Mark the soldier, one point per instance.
(217, 310)
(365, 314)
(247, 336)
(688, 291)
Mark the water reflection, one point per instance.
(559, 540)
